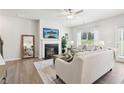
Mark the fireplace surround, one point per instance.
(50, 50)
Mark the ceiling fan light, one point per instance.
(70, 16)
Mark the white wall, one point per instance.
(11, 29)
(107, 29)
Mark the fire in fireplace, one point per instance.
(50, 50)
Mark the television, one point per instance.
(50, 33)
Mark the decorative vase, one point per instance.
(63, 50)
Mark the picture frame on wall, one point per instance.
(51, 33)
(66, 36)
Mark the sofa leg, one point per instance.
(57, 77)
(111, 69)
(4, 80)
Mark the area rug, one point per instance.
(47, 72)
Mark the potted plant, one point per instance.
(64, 42)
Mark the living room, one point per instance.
(44, 45)
(61, 46)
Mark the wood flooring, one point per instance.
(24, 72)
(116, 76)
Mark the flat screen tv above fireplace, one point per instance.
(50, 33)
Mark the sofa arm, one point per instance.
(63, 69)
(58, 60)
(61, 64)
(69, 72)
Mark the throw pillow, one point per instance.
(68, 57)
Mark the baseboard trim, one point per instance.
(12, 59)
(15, 59)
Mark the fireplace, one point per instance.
(50, 50)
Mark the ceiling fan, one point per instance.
(70, 13)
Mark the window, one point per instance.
(87, 38)
(121, 42)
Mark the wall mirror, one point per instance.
(28, 50)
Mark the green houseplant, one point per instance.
(64, 42)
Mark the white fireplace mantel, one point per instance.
(48, 41)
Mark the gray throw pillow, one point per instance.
(68, 57)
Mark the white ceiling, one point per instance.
(54, 15)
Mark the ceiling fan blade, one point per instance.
(80, 11)
(70, 13)
(61, 15)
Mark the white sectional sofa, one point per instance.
(85, 67)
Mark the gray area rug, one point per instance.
(47, 72)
